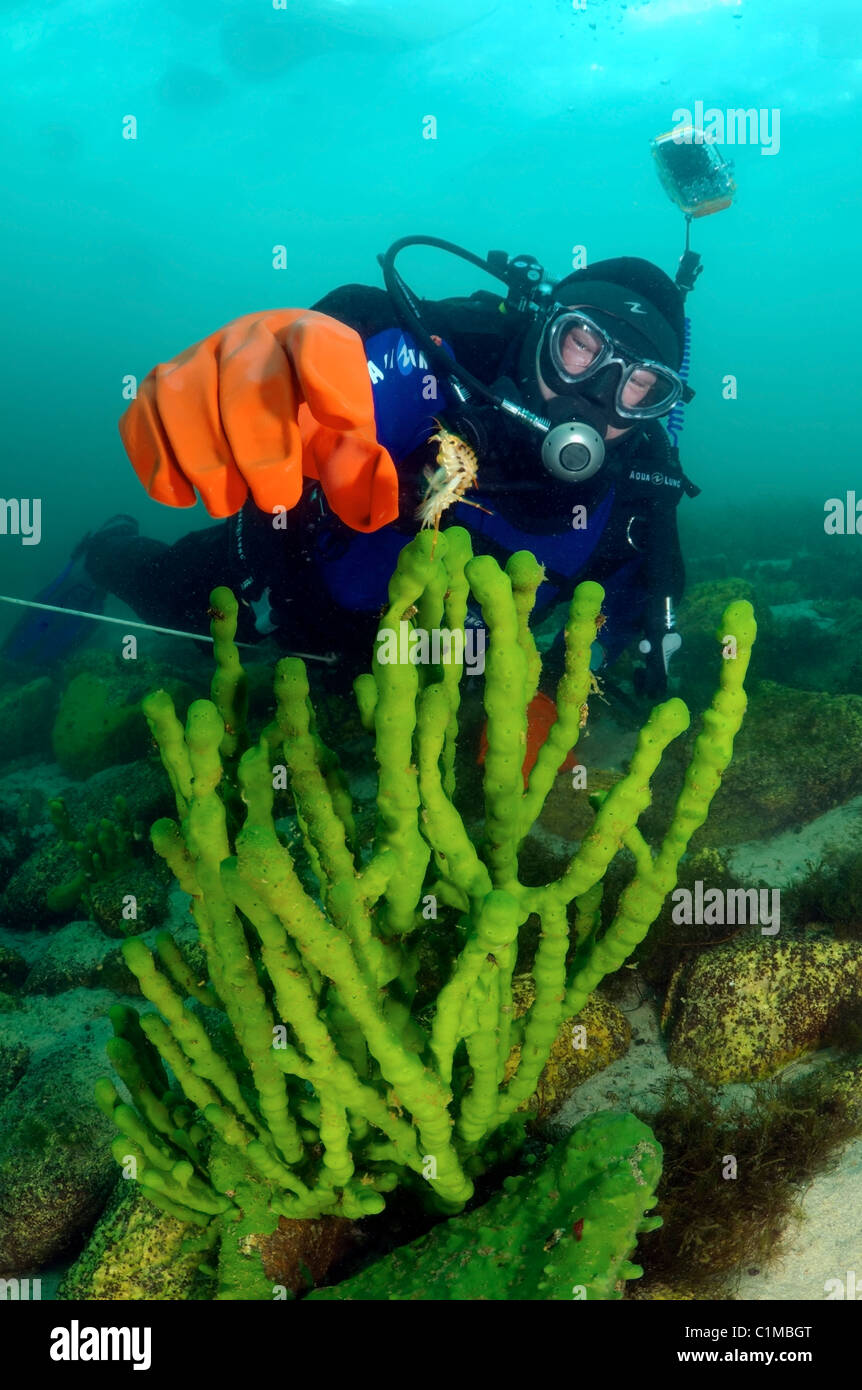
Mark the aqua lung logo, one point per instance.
(635, 306)
(657, 479)
(405, 359)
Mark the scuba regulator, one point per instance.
(571, 450)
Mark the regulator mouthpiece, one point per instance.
(573, 451)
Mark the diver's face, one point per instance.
(579, 350)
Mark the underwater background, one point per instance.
(302, 127)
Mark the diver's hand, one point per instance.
(255, 407)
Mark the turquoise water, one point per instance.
(153, 160)
(304, 127)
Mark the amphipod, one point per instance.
(455, 473)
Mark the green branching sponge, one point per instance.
(306, 1074)
(566, 1232)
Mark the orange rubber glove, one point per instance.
(541, 714)
(266, 401)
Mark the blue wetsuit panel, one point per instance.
(565, 554)
(407, 392)
(357, 574)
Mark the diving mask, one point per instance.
(574, 348)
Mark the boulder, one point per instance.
(741, 1011)
(56, 1167)
(135, 1255)
(25, 718)
(599, 1035)
(798, 754)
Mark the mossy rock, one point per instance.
(14, 1060)
(818, 645)
(143, 785)
(80, 955)
(575, 1054)
(25, 713)
(13, 968)
(148, 883)
(36, 893)
(56, 1167)
(24, 819)
(136, 1254)
(93, 730)
(659, 1293)
(743, 1010)
(24, 902)
(798, 754)
(40, 891)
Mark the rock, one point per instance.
(606, 1036)
(25, 824)
(93, 731)
(14, 1060)
(773, 579)
(817, 645)
(24, 902)
(143, 785)
(135, 1255)
(35, 896)
(798, 754)
(670, 941)
(13, 968)
(650, 1293)
(148, 883)
(743, 1010)
(56, 1166)
(99, 723)
(25, 716)
(80, 954)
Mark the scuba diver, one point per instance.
(308, 432)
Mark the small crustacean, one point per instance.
(595, 683)
(595, 689)
(447, 483)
